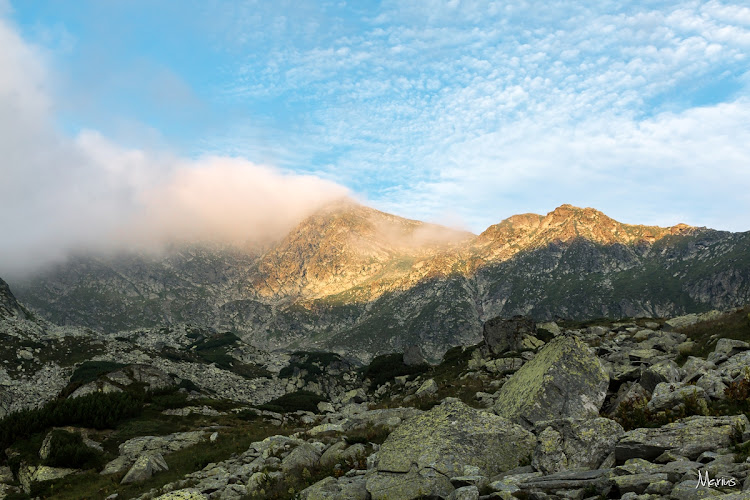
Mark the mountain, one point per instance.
(357, 280)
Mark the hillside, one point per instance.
(351, 278)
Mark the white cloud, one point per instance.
(59, 195)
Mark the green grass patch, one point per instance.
(734, 325)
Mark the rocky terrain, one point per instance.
(634, 409)
(354, 280)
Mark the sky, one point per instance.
(131, 120)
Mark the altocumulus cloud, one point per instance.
(60, 194)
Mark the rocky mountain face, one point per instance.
(356, 280)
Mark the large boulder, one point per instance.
(501, 335)
(564, 380)
(688, 437)
(413, 356)
(420, 456)
(574, 444)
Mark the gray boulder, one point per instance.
(574, 444)
(420, 456)
(413, 356)
(303, 456)
(688, 437)
(145, 467)
(501, 335)
(668, 396)
(663, 371)
(345, 488)
(564, 380)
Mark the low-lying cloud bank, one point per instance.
(60, 195)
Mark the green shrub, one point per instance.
(88, 371)
(300, 400)
(386, 367)
(67, 449)
(100, 411)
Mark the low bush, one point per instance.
(387, 367)
(67, 449)
(88, 371)
(294, 401)
(100, 411)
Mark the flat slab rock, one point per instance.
(688, 437)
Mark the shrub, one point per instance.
(386, 367)
(88, 371)
(294, 401)
(67, 449)
(100, 411)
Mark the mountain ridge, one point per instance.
(352, 277)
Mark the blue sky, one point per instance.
(464, 112)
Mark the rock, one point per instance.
(465, 493)
(503, 366)
(131, 449)
(325, 407)
(668, 396)
(428, 388)
(6, 475)
(663, 371)
(637, 483)
(551, 327)
(680, 322)
(29, 474)
(501, 335)
(730, 347)
(422, 454)
(564, 380)
(695, 368)
(596, 480)
(413, 356)
(574, 444)
(691, 490)
(145, 467)
(303, 456)
(688, 437)
(186, 494)
(627, 393)
(713, 385)
(345, 488)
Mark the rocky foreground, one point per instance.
(642, 409)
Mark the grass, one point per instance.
(734, 325)
(90, 485)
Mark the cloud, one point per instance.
(61, 194)
(494, 109)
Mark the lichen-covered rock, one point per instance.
(564, 380)
(186, 494)
(663, 371)
(420, 456)
(688, 437)
(574, 444)
(29, 474)
(668, 396)
(131, 449)
(345, 488)
(428, 388)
